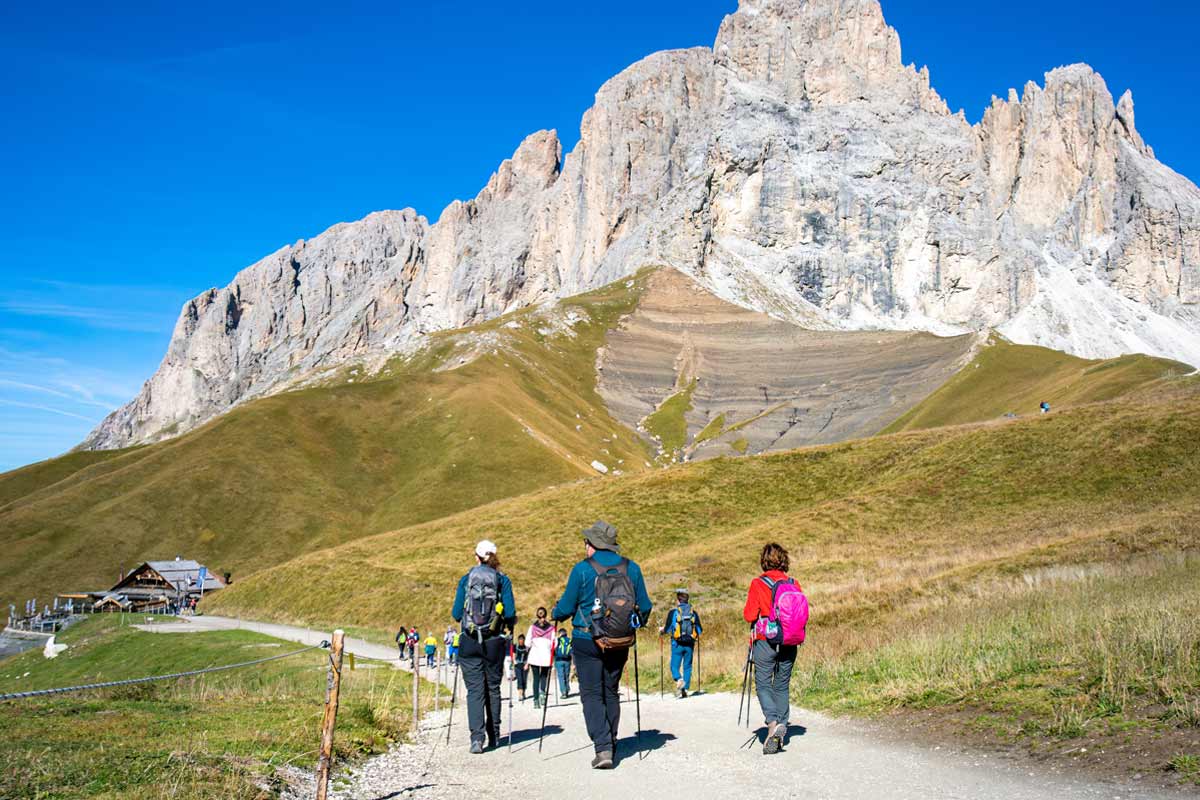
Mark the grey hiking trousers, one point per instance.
(772, 676)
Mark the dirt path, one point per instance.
(290, 633)
(690, 749)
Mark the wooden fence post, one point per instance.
(416, 680)
(437, 682)
(333, 688)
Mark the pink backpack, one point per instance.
(789, 614)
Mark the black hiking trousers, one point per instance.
(483, 673)
(599, 672)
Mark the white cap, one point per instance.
(485, 549)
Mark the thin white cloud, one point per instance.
(130, 321)
(81, 395)
(47, 409)
(168, 293)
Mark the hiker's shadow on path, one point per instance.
(760, 735)
(527, 735)
(652, 739)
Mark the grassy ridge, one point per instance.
(25, 481)
(226, 734)
(1011, 378)
(871, 523)
(484, 413)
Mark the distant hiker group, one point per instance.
(409, 643)
(606, 602)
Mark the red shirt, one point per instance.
(758, 600)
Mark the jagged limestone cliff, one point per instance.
(799, 167)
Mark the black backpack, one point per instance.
(615, 607)
(483, 594)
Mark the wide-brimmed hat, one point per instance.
(601, 536)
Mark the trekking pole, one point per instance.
(660, 668)
(699, 684)
(512, 671)
(637, 696)
(749, 694)
(453, 693)
(742, 693)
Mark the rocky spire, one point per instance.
(797, 167)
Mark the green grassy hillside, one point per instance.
(221, 735)
(483, 413)
(869, 522)
(1007, 378)
(897, 539)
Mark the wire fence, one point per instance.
(169, 676)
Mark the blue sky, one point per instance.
(150, 150)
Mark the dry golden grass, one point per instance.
(310, 469)
(874, 525)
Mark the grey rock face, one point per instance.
(799, 167)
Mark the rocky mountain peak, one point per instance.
(821, 52)
(797, 168)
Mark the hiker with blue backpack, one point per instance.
(683, 626)
(562, 662)
(777, 611)
(485, 607)
(606, 601)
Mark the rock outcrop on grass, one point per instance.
(797, 167)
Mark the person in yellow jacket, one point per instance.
(431, 644)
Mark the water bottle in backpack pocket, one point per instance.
(789, 614)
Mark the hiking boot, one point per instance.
(537, 701)
(603, 760)
(682, 693)
(476, 747)
(774, 741)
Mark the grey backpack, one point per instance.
(480, 619)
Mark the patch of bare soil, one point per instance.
(778, 386)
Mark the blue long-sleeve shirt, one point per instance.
(509, 614)
(580, 594)
(669, 625)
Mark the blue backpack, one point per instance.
(685, 624)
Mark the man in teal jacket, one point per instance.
(599, 671)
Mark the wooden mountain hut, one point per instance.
(159, 585)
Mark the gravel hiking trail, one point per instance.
(691, 749)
